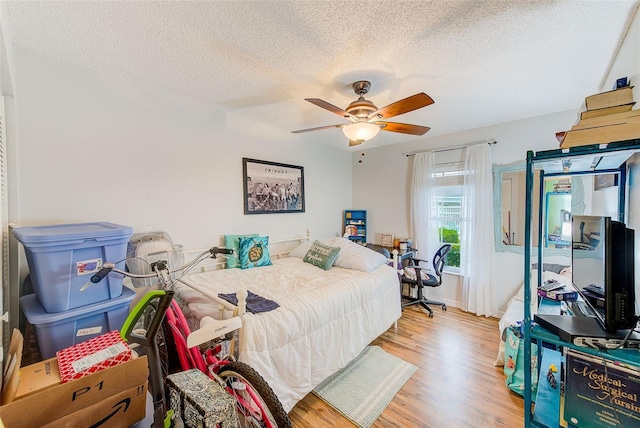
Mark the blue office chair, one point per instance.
(424, 279)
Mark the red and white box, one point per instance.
(92, 356)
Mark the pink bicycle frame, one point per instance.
(208, 363)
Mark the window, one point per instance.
(449, 180)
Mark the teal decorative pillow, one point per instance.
(321, 255)
(254, 252)
(233, 242)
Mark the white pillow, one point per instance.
(301, 250)
(355, 256)
(546, 275)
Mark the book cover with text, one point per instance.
(600, 393)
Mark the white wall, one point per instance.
(387, 171)
(627, 61)
(96, 148)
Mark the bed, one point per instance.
(325, 319)
(515, 307)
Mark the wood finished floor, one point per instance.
(456, 384)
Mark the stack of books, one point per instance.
(563, 185)
(608, 117)
(559, 294)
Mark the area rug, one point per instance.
(365, 387)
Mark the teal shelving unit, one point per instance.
(592, 159)
(357, 221)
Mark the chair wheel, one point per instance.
(444, 308)
(430, 314)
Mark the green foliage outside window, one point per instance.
(451, 236)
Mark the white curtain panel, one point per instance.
(477, 240)
(424, 232)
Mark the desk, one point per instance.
(403, 255)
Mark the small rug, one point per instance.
(365, 387)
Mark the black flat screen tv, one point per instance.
(602, 256)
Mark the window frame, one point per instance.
(448, 179)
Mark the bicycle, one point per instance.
(157, 323)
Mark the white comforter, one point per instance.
(325, 318)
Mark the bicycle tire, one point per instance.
(164, 345)
(237, 371)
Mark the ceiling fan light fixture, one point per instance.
(360, 131)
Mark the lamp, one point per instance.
(360, 131)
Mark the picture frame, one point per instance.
(602, 181)
(386, 240)
(272, 187)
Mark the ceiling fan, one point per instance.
(365, 117)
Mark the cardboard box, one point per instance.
(12, 366)
(94, 355)
(121, 410)
(116, 395)
(38, 376)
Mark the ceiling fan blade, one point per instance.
(319, 128)
(354, 143)
(406, 105)
(333, 109)
(404, 128)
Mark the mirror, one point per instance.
(587, 194)
(509, 191)
(557, 227)
(512, 205)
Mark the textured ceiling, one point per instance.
(483, 62)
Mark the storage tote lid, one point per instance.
(70, 233)
(36, 315)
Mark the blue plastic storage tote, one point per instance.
(63, 257)
(64, 329)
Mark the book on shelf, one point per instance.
(599, 134)
(563, 185)
(559, 295)
(350, 230)
(617, 97)
(600, 392)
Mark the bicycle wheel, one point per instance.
(257, 404)
(167, 348)
(162, 339)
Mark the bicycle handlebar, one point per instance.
(109, 267)
(216, 250)
(97, 277)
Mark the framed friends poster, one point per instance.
(272, 188)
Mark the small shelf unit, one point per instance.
(356, 221)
